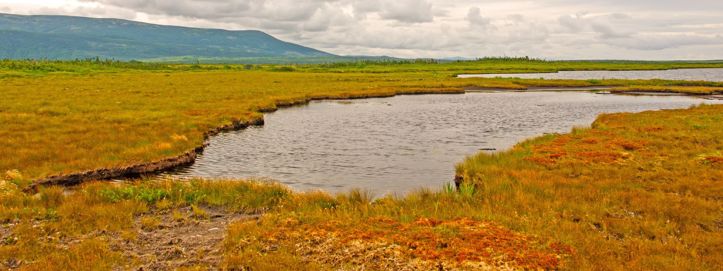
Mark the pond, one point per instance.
(680, 74)
(402, 143)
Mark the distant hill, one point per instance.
(68, 37)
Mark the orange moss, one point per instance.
(599, 156)
(453, 242)
(714, 159)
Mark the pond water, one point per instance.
(403, 143)
(681, 74)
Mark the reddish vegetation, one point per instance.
(594, 147)
(450, 243)
(714, 159)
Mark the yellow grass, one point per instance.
(696, 90)
(637, 191)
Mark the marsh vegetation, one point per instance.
(633, 191)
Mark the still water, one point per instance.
(399, 144)
(682, 74)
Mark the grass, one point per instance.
(637, 191)
(484, 65)
(695, 90)
(67, 231)
(500, 65)
(53, 225)
(634, 191)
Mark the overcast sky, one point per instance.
(553, 29)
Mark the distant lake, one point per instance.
(681, 74)
(402, 143)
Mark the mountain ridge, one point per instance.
(72, 37)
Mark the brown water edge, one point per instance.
(189, 157)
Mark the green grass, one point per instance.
(343, 65)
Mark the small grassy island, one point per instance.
(635, 191)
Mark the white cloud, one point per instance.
(650, 29)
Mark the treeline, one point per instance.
(397, 61)
(511, 59)
(92, 64)
(46, 65)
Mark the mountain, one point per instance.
(69, 37)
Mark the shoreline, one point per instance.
(189, 157)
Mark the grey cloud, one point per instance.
(652, 42)
(289, 10)
(327, 17)
(604, 25)
(284, 10)
(572, 22)
(408, 11)
(474, 16)
(318, 22)
(516, 18)
(90, 12)
(607, 31)
(648, 5)
(620, 16)
(361, 7)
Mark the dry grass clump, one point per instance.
(150, 223)
(91, 254)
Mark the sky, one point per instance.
(549, 29)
